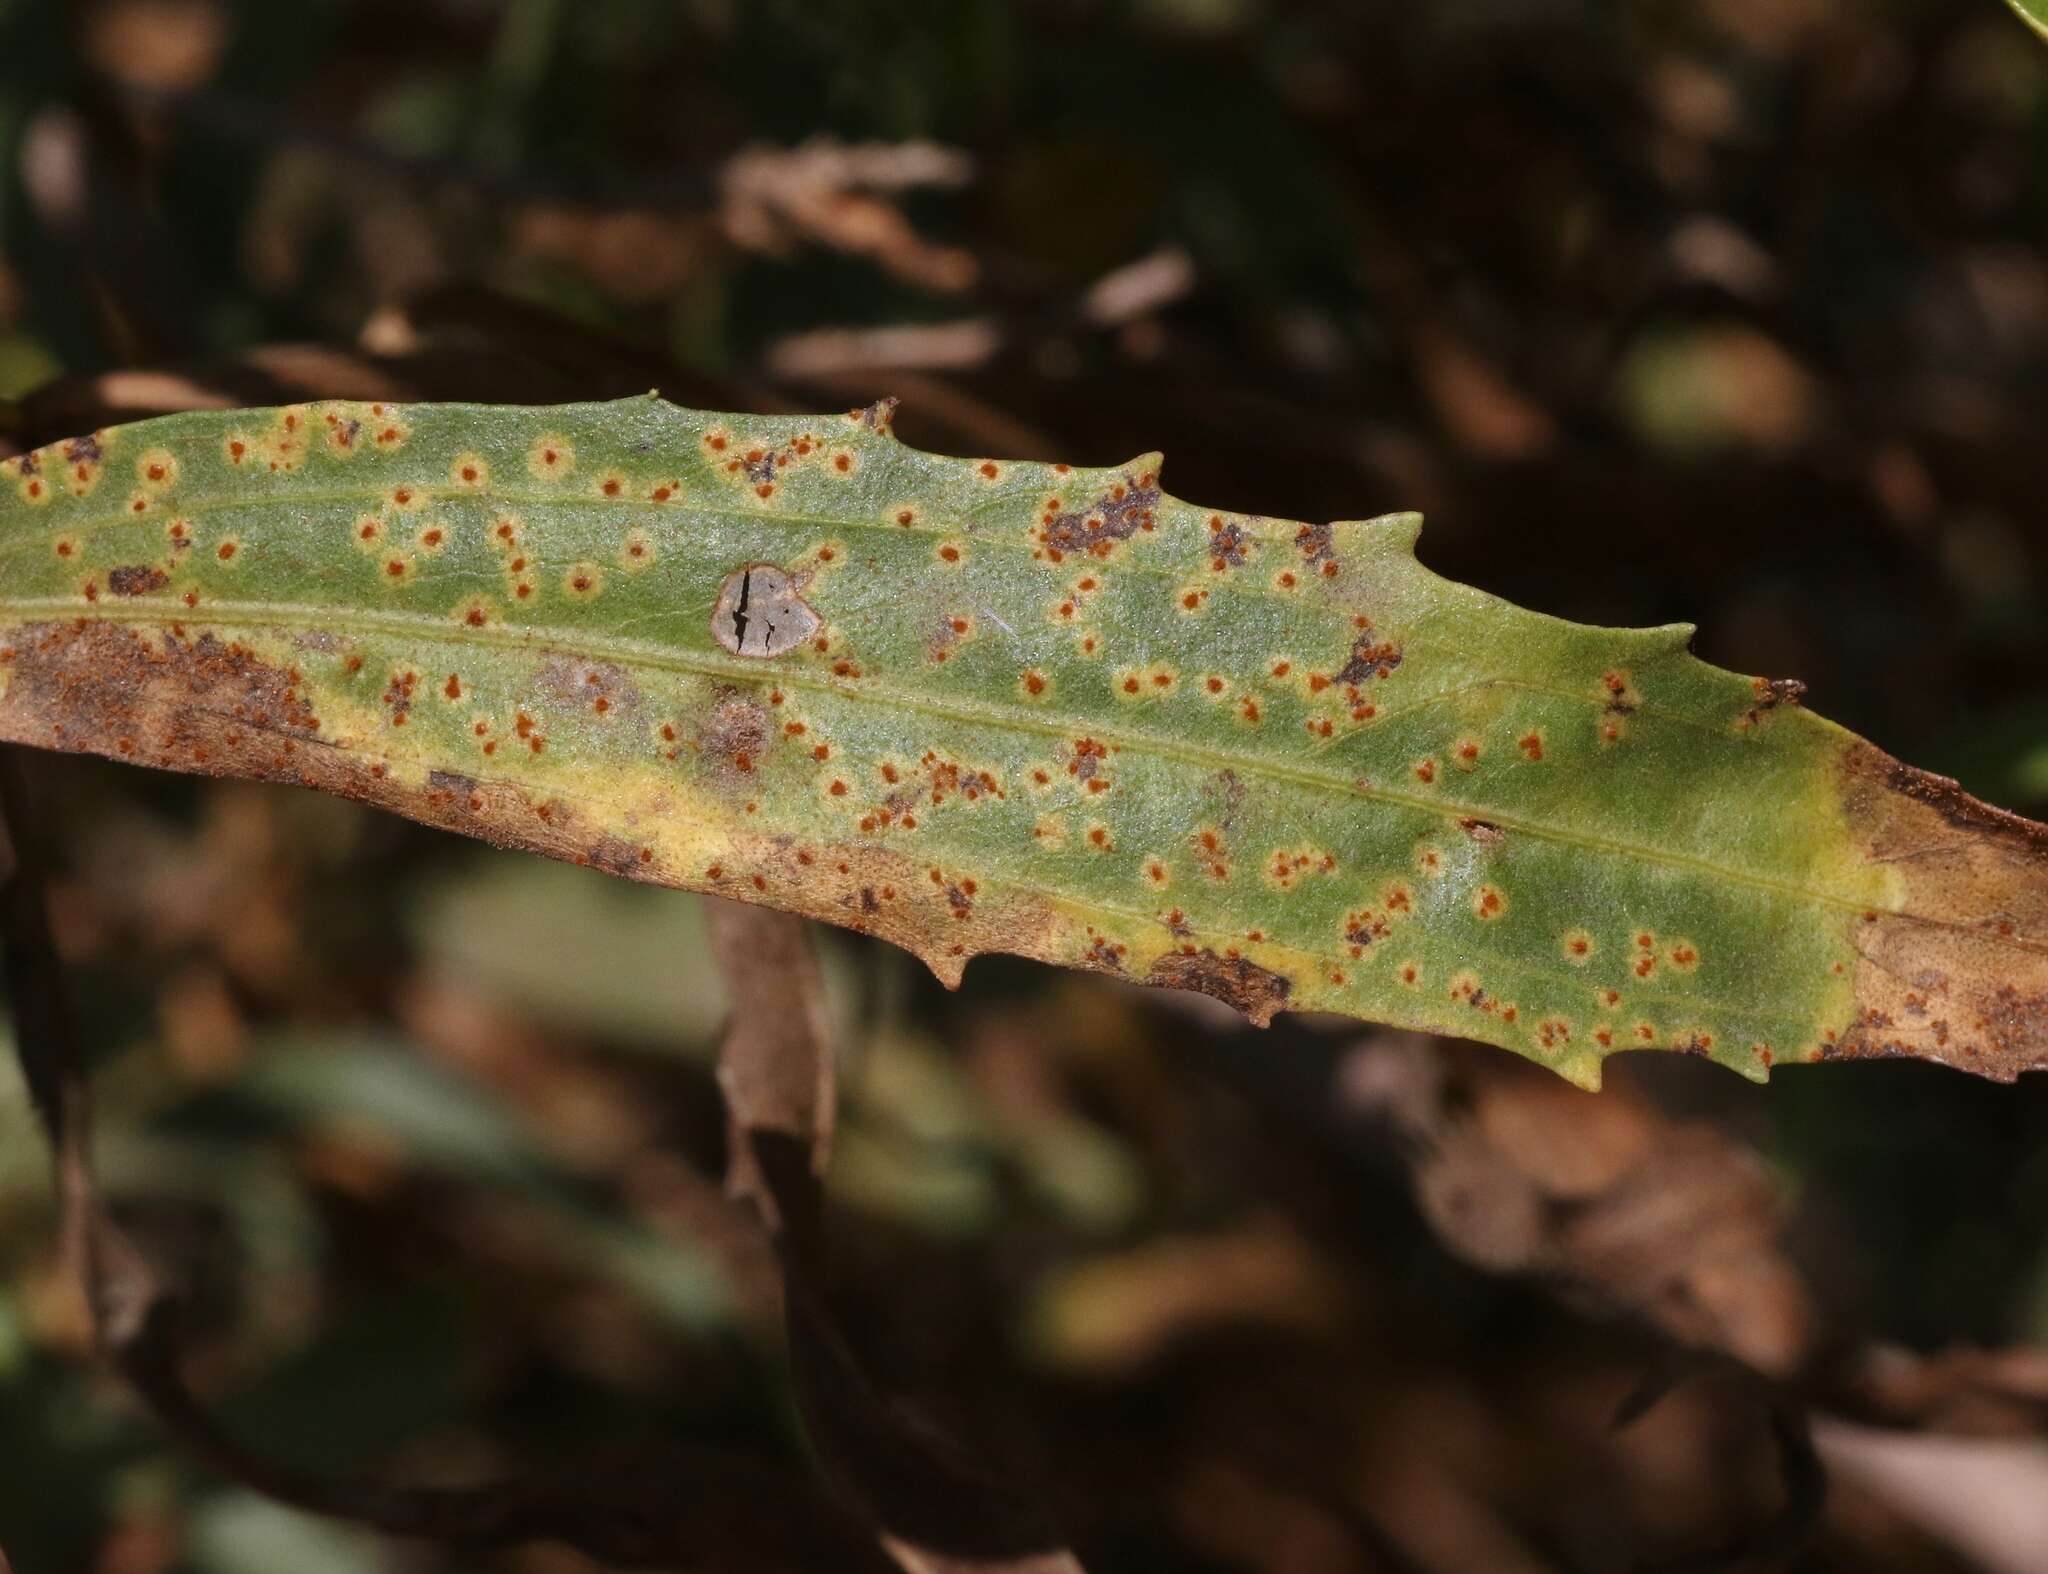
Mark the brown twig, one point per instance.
(936, 1510)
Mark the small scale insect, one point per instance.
(760, 613)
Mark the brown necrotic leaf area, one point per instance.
(1965, 980)
(1256, 991)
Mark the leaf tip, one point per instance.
(1584, 1073)
(878, 417)
(948, 966)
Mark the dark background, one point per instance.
(1725, 311)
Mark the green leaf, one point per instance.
(2034, 13)
(976, 705)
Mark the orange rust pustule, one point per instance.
(1770, 694)
(1256, 991)
(1957, 970)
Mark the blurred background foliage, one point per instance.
(1726, 311)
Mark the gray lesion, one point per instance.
(761, 613)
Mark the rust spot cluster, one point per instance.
(1125, 509)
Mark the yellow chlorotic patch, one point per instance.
(583, 581)
(470, 472)
(636, 551)
(550, 458)
(1140, 683)
(1285, 865)
(431, 538)
(367, 532)
(157, 470)
(396, 568)
(284, 453)
(1577, 947)
(344, 426)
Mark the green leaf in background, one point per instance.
(977, 705)
(2034, 13)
